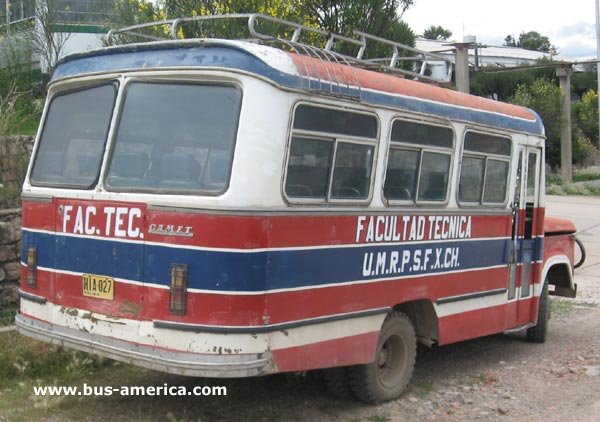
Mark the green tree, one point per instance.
(531, 40)
(585, 116)
(509, 41)
(376, 17)
(133, 12)
(545, 98)
(502, 85)
(437, 32)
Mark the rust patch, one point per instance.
(69, 311)
(112, 319)
(88, 315)
(285, 333)
(128, 307)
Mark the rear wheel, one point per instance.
(538, 333)
(387, 377)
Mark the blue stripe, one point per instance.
(165, 55)
(256, 271)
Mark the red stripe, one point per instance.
(387, 83)
(244, 232)
(352, 350)
(38, 215)
(148, 303)
(486, 321)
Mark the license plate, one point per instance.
(98, 286)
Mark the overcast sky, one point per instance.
(570, 24)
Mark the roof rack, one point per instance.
(405, 61)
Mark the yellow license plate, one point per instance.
(98, 286)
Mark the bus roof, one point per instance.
(300, 72)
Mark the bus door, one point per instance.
(525, 245)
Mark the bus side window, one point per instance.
(484, 169)
(418, 168)
(308, 168)
(331, 155)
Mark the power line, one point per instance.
(535, 66)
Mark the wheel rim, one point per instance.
(391, 361)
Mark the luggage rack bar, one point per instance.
(326, 41)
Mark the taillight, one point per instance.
(178, 289)
(31, 266)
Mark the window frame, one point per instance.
(486, 156)
(117, 84)
(335, 138)
(420, 149)
(115, 131)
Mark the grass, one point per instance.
(25, 363)
(28, 126)
(573, 189)
(421, 388)
(561, 307)
(588, 173)
(553, 179)
(485, 378)
(556, 186)
(27, 360)
(8, 310)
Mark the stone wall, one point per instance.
(14, 156)
(10, 250)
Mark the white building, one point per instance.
(482, 56)
(80, 23)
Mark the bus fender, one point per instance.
(558, 272)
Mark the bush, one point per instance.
(583, 151)
(21, 86)
(585, 116)
(545, 98)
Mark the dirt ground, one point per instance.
(500, 377)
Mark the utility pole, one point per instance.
(461, 60)
(598, 62)
(566, 151)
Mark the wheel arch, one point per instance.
(558, 272)
(424, 319)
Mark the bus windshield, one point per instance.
(175, 138)
(170, 137)
(73, 138)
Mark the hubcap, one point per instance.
(391, 361)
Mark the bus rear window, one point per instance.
(175, 138)
(73, 138)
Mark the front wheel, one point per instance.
(538, 333)
(387, 377)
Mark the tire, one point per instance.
(387, 377)
(538, 333)
(337, 382)
(582, 250)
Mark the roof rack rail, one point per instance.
(403, 55)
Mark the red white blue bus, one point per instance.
(224, 208)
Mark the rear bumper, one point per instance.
(189, 364)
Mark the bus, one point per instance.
(232, 208)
